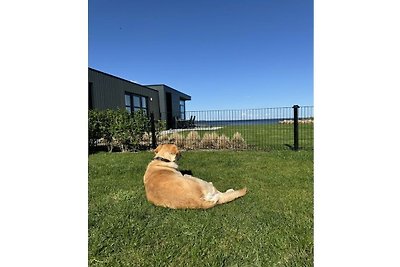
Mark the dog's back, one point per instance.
(168, 188)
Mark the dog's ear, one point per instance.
(157, 149)
(174, 150)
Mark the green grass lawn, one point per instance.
(271, 226)
(271, 136)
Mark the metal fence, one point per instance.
(255, 129)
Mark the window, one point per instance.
(128, 103)
(182, 109)
(135, 102)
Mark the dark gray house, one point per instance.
(107, 91)
(172, 103)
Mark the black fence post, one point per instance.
(153, 131)
(296, 127)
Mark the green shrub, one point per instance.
(100, 128)
(117, 128)
(160, 126)
(121, 129)
(94, 127)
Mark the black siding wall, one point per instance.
(108, 92)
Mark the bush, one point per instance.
(130, 131)
(193, 140)
(117, 128)
(177, 139)
(94, 126)
(209, 141)
(160, 126)
(223, 142)
(99, 128)
(163, 138)
(238, 142)
(122, 129)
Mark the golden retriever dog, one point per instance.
(167, 187)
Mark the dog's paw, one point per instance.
(229, 190)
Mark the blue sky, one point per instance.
(225, 54)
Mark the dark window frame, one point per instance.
(143, 103)
(182, 114)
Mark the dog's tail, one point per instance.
(231, 195)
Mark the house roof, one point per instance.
(150, 87)
(164, 86)
(125, 80)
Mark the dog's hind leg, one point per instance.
(231, 195)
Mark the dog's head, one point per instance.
(168, 151)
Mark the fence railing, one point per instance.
(257, 129)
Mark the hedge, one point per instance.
(118, 128)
